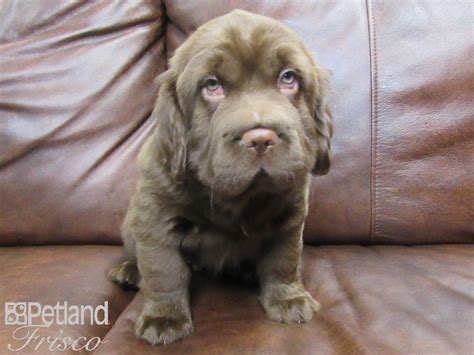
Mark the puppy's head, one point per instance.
(243, 101)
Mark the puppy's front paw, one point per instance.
(162, 330)
(125, 274)
(296, 309)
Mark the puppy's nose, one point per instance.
(260, 139)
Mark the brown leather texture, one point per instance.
(375, 300)
(76, 93)
(52, 274)
(422, 122)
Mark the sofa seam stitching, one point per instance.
(374, 220)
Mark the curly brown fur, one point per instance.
(206, 199)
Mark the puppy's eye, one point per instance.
(212, 84)
(288, 82)
(212, 89)
(288, 77)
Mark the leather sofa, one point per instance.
(389, 236)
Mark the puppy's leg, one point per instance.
(126, 273)
(283, 295)
(166, 314)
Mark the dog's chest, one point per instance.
(228, 237)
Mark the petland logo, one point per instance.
(32, 317)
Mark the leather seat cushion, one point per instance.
(379, 300)
(52, 274)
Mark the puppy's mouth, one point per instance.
(256, 178)
(262, 180)
(261, 175)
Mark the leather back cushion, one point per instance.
(76, 92)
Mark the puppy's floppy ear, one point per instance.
(324, 127)
(171, 130)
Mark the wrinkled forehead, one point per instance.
(259, 52)
(236, 50)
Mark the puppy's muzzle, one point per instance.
(260, 140)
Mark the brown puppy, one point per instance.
(242, 123)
